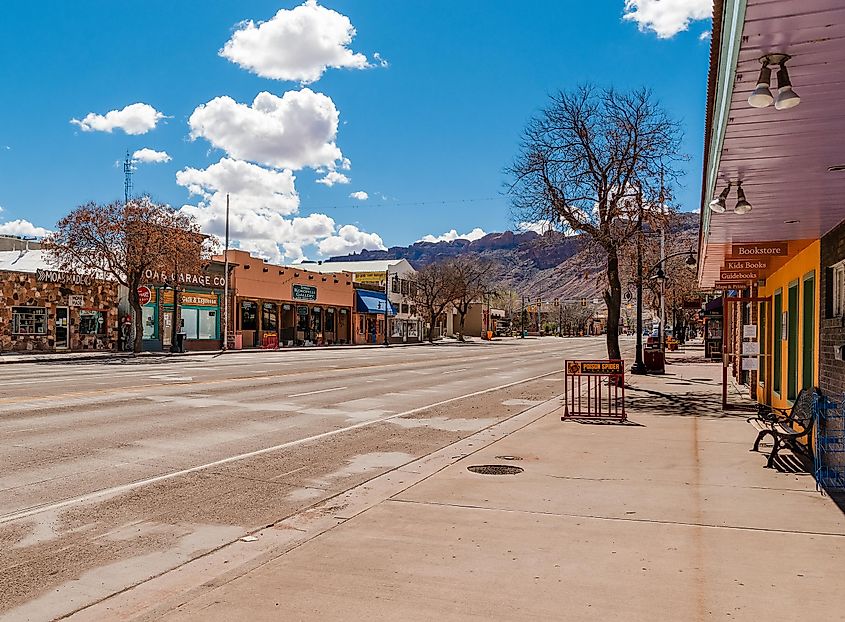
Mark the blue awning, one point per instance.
(367, 301)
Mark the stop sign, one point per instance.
(144, 295)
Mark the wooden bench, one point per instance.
(780, 424)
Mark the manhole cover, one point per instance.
(495, 469)
(508, 458)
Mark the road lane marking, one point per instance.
(316, 392)
(116, 490)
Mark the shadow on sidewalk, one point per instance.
(678, 404)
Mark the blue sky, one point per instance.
(429, 100)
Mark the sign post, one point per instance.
(585, 396)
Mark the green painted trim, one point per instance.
(730, 39)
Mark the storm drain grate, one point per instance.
(495, 469)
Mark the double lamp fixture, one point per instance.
(762, 95)
(742, 206)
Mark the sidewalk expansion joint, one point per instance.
(619, 518)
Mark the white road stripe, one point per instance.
(107, 492)
(316, 392)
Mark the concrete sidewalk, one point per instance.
(669, 519)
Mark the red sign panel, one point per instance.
(144, 295)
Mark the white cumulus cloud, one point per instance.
(350, 239)
(359, 195)
(666, 18)
(148, 155)
(263, 208)
(23, 228)
(293, 131)
(134, 119)
(452, 235)
(297, 44)
(333, 177)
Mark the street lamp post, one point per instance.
(386, 304)
(639, 365)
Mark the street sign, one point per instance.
(144, 295)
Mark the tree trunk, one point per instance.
(176, 323)
(613, 300)
(137, 315)
(461, 325)
(432, 319)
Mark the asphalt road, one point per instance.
(115, 472)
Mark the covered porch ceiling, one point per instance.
(782, 157)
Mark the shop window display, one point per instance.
(29, 320)
(92, 323)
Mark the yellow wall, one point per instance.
(804, 263)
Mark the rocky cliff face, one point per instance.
(549, 265)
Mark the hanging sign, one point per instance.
(590, 368)
(730, 285)
(375, 278)
(753, 250)
(738, 275)
(750, 363)
(750, 347)
(746, 264)
(304, 292)
(749, 331)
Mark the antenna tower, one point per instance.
(128, 169)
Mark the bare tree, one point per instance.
(591, 162)
(432, 289)
(469, 279)
(574, 318)
(124, 240)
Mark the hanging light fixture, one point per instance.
(718, 204)
(691, 261)
(742, 206)
(787, 98)
(762, 95)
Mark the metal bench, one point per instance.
(780, 424)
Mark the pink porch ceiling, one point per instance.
(782, 156)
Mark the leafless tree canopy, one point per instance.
(470, 276)
(592, 162)
(432, 290)
(122, 241)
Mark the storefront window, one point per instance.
(148, 315)
(29, 320)
(317, 315)
(302, 318)
(92, 323)
(269, 316)
(190, 317)
(330, 320)
(249, 315)
(207, 324)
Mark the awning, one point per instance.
(372, 302)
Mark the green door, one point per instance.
(792, 344)
(777, 333)
(808, 330)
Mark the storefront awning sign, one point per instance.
(754, 250)
(304, 292)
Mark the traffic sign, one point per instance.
(144, 295)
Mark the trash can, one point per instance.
(180, 342)
(655, 360)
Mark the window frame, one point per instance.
(16, 326)
(837, 277)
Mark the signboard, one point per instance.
(750, 363)
(66, 278)
(738, 275)
(185, 278)
(784, 326)
(593, 368)
(746, 264)
(76, 300)
(375, 278)
(750, 347)
(302, 310)
(730, 285)
(304, 292)
(197, 299)
(760, 249)
(749, 331)
(692, 304)
(144, 295)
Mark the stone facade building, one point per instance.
(43, 310)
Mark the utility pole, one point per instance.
(662, 290)
(386, 303)
(639, 365)
(226, 282)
